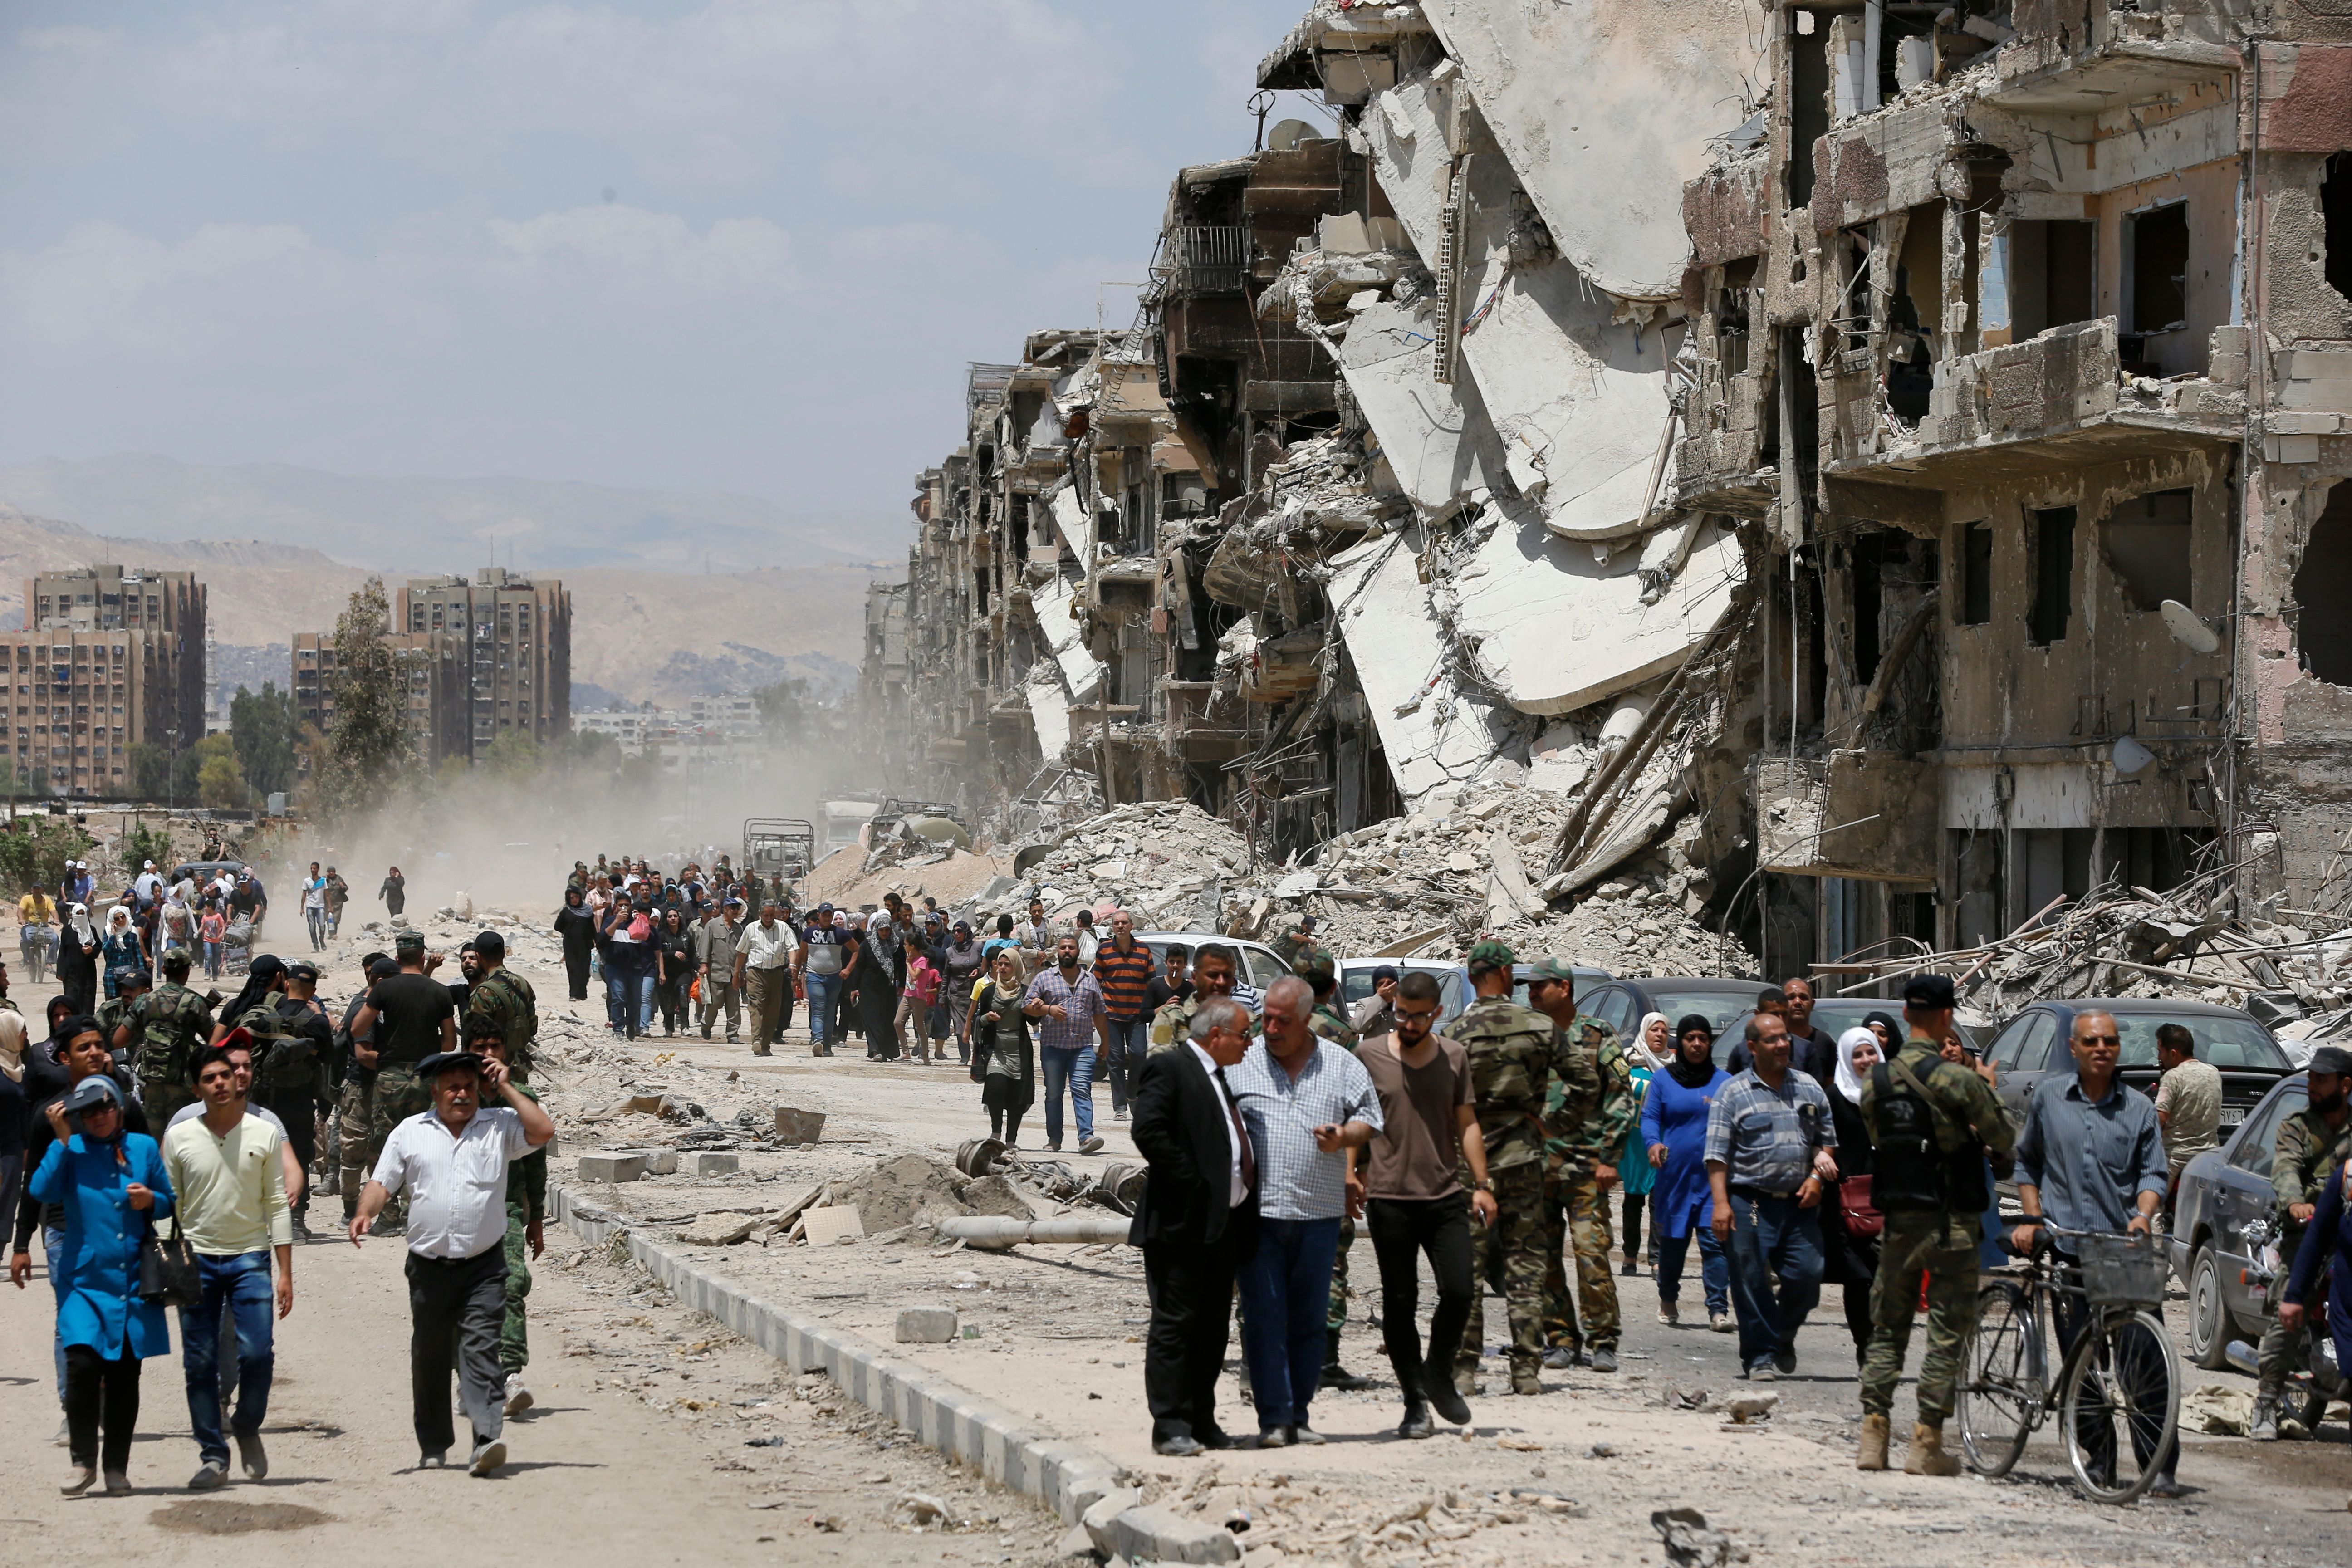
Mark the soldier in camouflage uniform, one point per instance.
(1330, 1022)
(1931, 1124)
(1587, 1113)
(526, 1218)
(114, 1013)
(507, 999)
(2309, 1142)
(172, 1025)
(1514, 1052)
(1293, 946)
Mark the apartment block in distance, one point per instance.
(110, 657)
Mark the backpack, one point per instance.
(282, 1060)
(169, 1023)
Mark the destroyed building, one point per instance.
(1871, 462)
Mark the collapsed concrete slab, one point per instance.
(1438, 440)
(1576, 389)
(1054, 606)
(1606, 110)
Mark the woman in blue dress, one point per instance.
(125, 950)
(112, 1188)
(1673, 1129)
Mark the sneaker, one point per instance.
(1275, 1437)
(1603, 1359)
(81, 1481)
(1785, 1362)
(1719, 1321)
(1300, 1432)
(252, 1456)
(517, 1397)
(1119, 1113)
(488, 1458)
(1760, 1372)
(210, 1478)
(432, 1461)
(1560, 1358)
(1669, 1314)
(1090, 1145)
(1179, 1447)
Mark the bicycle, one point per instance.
(2121, 1370)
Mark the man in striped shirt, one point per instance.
(1123, 973)
(1069, 1007)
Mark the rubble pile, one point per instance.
(1165, 861)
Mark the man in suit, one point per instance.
(1198, 1222)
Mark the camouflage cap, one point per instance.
(1317, 967)
(1552, 969)
(1491, 954)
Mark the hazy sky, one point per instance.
(728, 245)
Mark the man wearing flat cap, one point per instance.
(1932, 1123)
(452, 1161)
(2310, 1141)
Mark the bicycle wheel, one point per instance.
(2119, 1406)
(2000, 1392)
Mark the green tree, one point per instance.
(144, 844)
(784, 708)
(266, 731)
(150, 771)
(219, 785)
(367, 749)
(33, 848)
(513, 754)
(187, 768)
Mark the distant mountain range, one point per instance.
(456, 524)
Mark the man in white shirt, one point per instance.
(231, 1205)
(764, 956)
(452, 1161)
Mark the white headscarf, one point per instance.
(11, 1045)
(78, 915)
(116, 910)
(1849, 1082)
(1638, 1047)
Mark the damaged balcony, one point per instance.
(1862, 815)
(1203, 722)
(2084, 56)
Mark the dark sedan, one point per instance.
(2032, 1046)
(2221, 1192)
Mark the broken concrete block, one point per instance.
(1097, 1519)
(709, 1164)
(618, 1167)
(718, 1230)
(824, 1227)
(662, 1162)
(926, 1325)
(797, 1126)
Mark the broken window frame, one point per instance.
(2128, 279)
(2050, 612)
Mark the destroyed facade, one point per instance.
(1868, 466)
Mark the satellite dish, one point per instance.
(1287, 134)
(2186, 629)
(2131, 757)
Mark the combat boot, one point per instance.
(1927, 1456)
(1524, 1379)
(1873, 1453)
(1334, 1375)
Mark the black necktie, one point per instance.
(1241, 1134)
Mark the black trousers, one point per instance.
(1192, 1291)
(100, 1391)
(456, 1305)
(1402, 1230)
(299, 1109)
(575, 968)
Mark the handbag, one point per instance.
(1862, 1220)
(167, 1270)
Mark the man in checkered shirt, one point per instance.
(1768, 1161)
(1068, 1007)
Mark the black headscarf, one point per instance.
(267, 967)
(1679, 1066)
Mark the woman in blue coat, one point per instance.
(1674, 1129)
(112, 1187)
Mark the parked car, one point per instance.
(1260, 964)
(1720, 1000)
(2032, 1046)
(1453, 983)
(2221, 1192)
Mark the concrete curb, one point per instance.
(1066, 1476)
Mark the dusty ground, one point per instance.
(1569, 1477)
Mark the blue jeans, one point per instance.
(1076, 1068)
(1286, 1291)
(821, 991)
(1775, 1273)
(53, 1247)
(243, 1283)
(1714, 1274)
(1129, 1038)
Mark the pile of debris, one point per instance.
(1165, 861)
(2290, 968)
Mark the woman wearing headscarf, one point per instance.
(1647, 1055)
(996, 1043)
(960, 960)
(1890, 1033)
(877, 989)
(575, 922)
(111, 1187)
(1673, 1131)
(78, 945)
(14, 1108)
(124, 949)
(1850, 1224)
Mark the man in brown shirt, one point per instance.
(1411, 1192)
